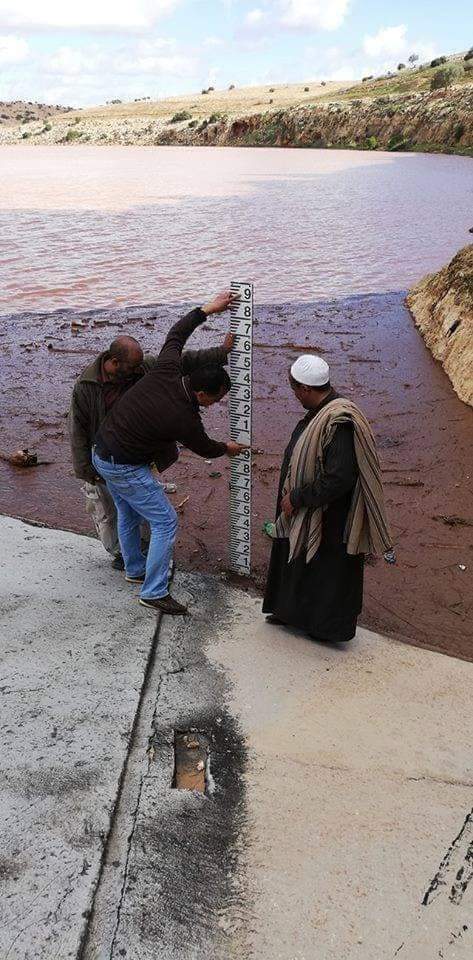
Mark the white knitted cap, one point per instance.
(311, 371)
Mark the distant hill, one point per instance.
(397, 111)
(16, 112)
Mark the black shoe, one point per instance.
(165, 605)
(275, 621)
(118, 562)
(139, 579)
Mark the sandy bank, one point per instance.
(442, 307)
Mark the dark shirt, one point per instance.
(331, 488)
(144, 425)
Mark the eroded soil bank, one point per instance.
(377, 357)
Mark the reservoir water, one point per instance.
(87, 226)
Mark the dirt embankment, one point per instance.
(417, 121)
(380, 115)
(442, 307)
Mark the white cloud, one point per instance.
(255, 17)
(391, 43)
(13, 49)
(213, 42)
(313, 14)
(309, 15)
(388, 41)
(95, 62)
(112, 15)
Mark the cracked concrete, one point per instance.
(340, 823)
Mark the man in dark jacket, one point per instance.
(100, 385)
(144, 427)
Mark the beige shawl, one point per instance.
(366, 529)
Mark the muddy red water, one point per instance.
(377, 358)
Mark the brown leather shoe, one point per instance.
(165, 605)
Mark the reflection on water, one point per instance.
(86, 227)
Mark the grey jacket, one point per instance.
(87, 409)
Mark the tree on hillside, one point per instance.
(444, 77)
(413, 58)
(401, 66)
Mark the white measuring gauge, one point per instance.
(241, 396)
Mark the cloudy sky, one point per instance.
(79, 52)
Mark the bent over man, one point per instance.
(97, 389)
(144, 427)
(330, 512)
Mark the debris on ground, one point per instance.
(454, 521)
(23, 458)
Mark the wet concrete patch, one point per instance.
(183, 890)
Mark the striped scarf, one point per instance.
(366, 529)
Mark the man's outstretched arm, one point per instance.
(182, 330)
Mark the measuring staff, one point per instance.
(241, 397)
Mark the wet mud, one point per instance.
(377, 358)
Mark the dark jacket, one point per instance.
(88, 410)
(159, 411)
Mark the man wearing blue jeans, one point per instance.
(144, 427)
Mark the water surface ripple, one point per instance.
(90, 227)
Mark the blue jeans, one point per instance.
(137, 496)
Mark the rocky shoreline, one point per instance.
(442, 307)
(439, 121)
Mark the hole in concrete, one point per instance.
(191, 761)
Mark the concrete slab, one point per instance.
(360, 790)
(75, 648)
(349, 807)
(338, 818)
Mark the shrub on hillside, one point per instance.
(397, 142)
(459, 131)
(192, 124)
(468, 66)
(72, 135)
(365, 79)
(401, 66)
(444, 77)
(216, 117)
(181, 116)
(437, 61)
(469, 55)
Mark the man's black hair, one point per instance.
(121, 347)
(213, 380)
